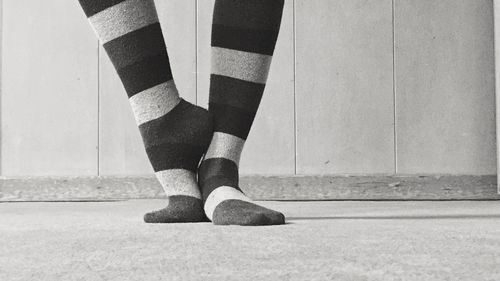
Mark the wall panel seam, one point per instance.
(196, 7)
(294, 35)
(98, 110)
(1, 81)
(395, 136)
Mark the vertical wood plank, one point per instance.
(1, 78)
(496, 15)
(178, 21)
(445, 86)
(270, 148)
(203, 34)
(121, 148)
(344, 87)
(49, 90)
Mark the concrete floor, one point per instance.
(322, 241)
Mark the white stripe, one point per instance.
(123, 18)
(225, 146)
(241, 65)
(221, 194)
(179, 182)
(155, 102)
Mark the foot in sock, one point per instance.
(175, 132)
(244, 35)
(175, 144)
(225, 203)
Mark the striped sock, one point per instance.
(244, 35)
(175, 133)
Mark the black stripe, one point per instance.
(92, 7)
(253, 14)
(145, 74)
(248, 40)
(175, 156)
(136, 46)
(231, 120)
(217, 172)
(180, 125)
(235, 92)
(212, 183)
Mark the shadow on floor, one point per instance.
(420, 217)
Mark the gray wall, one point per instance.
(356, 87)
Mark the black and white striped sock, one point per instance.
(244, 35)
(176, 133)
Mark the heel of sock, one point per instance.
(178, 139)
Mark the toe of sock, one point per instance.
(238, 212)
(155, 216)
(180, 209)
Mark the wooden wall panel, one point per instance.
(1, 78)
(270, 148)
(49, 89)
(65, 112)
(496, 15)
(445, 86)
(121, 148)
(344, 88)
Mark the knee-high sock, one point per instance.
(175, 132)
(244, 35)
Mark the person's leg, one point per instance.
(244, 34)
(175, 133)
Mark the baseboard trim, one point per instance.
(436, 187)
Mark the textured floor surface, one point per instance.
(321, 241)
